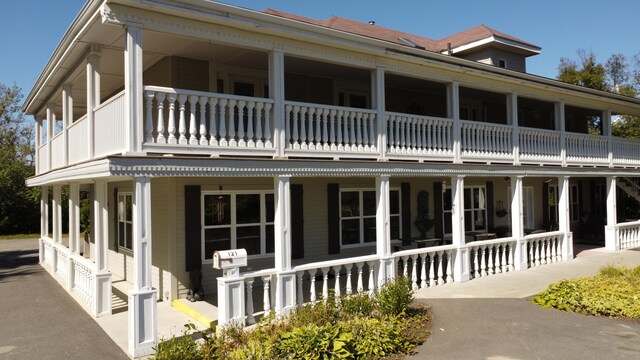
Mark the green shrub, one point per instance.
(179, 348)
(394, 297)
(614, 292)
(377, 337)
(360, 304)
(315, 342)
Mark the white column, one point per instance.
(286, 279)
(606, 131)
(51, 125)
(143, 297)
(378, 97)
(37, 141)
(67, 119)
(44, 211)
(461, 263)
(453, 101)
(383, 230)
(93, 94)
(512, 106)
(611, 230)
(57, 213)
(561, 126)
(517, 223)
(74, 218)
(276, 90)
(564, 217)
(102, 285)
(133, 87)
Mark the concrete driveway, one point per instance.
(490, 318)
(38, 319)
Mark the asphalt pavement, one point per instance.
(38, 318)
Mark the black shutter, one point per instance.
(545, 205)
(580, 202)
(438, 211)
(192, 227)
(297, 222)
(406, 211)
(333, 208)
(490, 210)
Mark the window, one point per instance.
(234, 220)
(475, 208)
(574, 205)
(358, 216)
(502, 63)
(125, 220)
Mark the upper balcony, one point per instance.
(182, 95)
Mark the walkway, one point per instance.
(490, 318)
(39, 320)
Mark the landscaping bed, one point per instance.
(351, 327)
(615, 292)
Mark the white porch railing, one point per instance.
(110, 127)
(419, 135)
(62, 263)
(426, 267)
(544, 248)
(585, 149)
(538, 145)
(84, 280)
(491, 257)
(626, 151)
(629, 235)
(191, 118)
(329, 128)
(43, 159)
(486, 141)
(57, 151)
(78, 141)
(47, 248)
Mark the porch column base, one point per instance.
(461, 265)
(102, 300)
(41, 250)
(520, 256)
(567, 247)
(387, 271)
(285, 292)
(611, 238)
(231, 301)
(142, 322)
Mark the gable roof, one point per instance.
(481, 33)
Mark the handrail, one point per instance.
(330, 107)
(424, 250)
(109, 101)
(330, 263)
(204, 93)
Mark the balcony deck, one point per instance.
(185, 122)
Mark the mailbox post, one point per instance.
(231, 301)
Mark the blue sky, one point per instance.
(33, 28)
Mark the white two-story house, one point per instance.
(338, 154)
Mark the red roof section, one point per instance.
(382, 33)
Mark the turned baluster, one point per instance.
(325, 283)
(414, 272)
(296, 117)
(432, 275)
(267, 125)
(372, 280)
(310, 129)
(503, 258)
(476, 262)
(352, 130)
(303, 128)
(233, 116)
(325, 134)
(148, 124)
(241, 118)
(193, 130)
(202, 102)
(423, 272)
(300, 295)
(349, 290)
(332, 129)
(339, 122)
(336, 286)
(312, 287)
(259, 119)
(160, 139)
(490, 268)
(360, 285)
(249, 302)
(365, 131)
(250, 140)
(449, 272)
(372, 136)
(289, 117)
(358, 137)
(223, 121)
(266, 296)
(405, 263)
(440, 270)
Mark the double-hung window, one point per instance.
(125, 220)
(475, 208)
(237, 220)
(574, 204)
(358, 216)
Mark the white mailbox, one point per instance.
(229, 259)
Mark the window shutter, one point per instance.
(580, 202)
(490, 209)
(438, 210)
(333, 208)
(297, 222)
(116, 227)
(405, 189)
(545, 205)
(192, 227)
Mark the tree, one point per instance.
(19, 212)
(617, 70)
(589, 73)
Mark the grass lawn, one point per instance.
(19, 236)
(614, 292)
